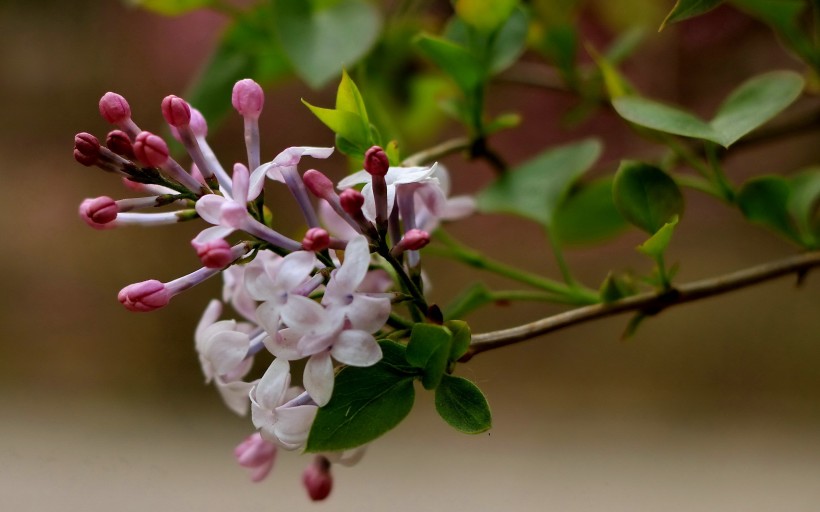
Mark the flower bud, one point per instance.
(119, 142)
(376, 162)
(215, 253)
(114, 108)
(413, 240)
(98, 212)
(318, 184)
(256, 454)
(317, 479)
(145, 296)
(198, 124)
(316, 239)
(86, 149)
(352, 201)
(151, 149)
(176, 111)
(247, 98)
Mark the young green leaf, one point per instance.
(536, 189)
(461, 404)
(345, 124)
(349, 99)
(322, 38)
(485, 15)
(429, 349)
(366, 403)
(656, 245)
(588, 214)
(509, 42)
(685, 9)
(615, 288)
(765, 200)
(646, 196)
(804, 204)
(664, 118)
(172, 7)
(462, 335)
(453, 59)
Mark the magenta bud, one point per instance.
(198, 124)
(214, 254)
(151, 149)
(318, 184)
(376, 162)
(176, 111)
(415, 239)
(247, 98)
(114, 108)
(256, 454)
(352, 201)
(316, 239)
(145, 296)
(317, 479)
(86, 148)
(98, 212)
(119, 142)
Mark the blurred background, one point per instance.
(711, 406)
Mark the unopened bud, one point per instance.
(256, 454)
(198, 124)
(119, 142)
(316, 239)
(145, 296)
(317, 479)
(176, 111)
(98, 212)
(376, 162)
(247, 98)
(352, 201)
(114, 108)
(318, 184)
(86, 148)
(413, 240)
(214, 254)
(151, 149)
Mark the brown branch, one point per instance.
(647, 303)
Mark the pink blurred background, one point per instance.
(712, 406)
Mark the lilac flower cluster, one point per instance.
(325, 298)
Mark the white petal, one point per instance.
(354, 268)
(235, 395)
(368, 313)
(356, 348)
(209, 316)
(293, 425)
(354, 179)
(271, 389)
(458, 207)
(226, 350)
(318, 378)
(401, 175)
(334, 224)
(257, 181)
(304, 315)
(295, 269)
(209, 207)
(268, 316)
(211, 233)
(283, 344)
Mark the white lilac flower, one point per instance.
(430, 208)
(279, 420)
(395, 177)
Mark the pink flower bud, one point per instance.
(114, 108)
(86, 149)
(352, 201)
(415, 239)
(98, 212)
(317, 479)
(257, 454)
(119, 142)
(198, 124)
(151, 149)
(248, 98)
(316, 239)
(376, 162)
(145, 296)
(318, 184)
(176, 111)
(215, 253)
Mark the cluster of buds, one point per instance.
(325, 298)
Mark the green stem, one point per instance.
(721, 181)
(559, 258)
(528, 296)
(687, 156)
(697, 183)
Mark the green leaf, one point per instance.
(171, 7)
(345, 124)
(787, 18)
(646, 196)
(588, 214)
(349, 99)
(455, 60)
(685, 9)
(502, 122)
(615, 288)
(485, 15)
(765, 200)
(536, 189)
(322, 38)
(462, 336)
(461, 404)
(753, 103)
(656, 245)
(804, 204)
(508, 44)
(429, 349)
(366, 403)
